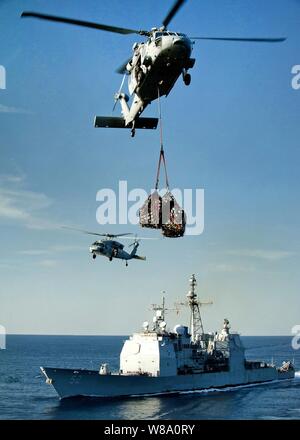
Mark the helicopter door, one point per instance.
(132, 82)
(135, 63)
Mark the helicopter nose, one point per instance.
(182, 45)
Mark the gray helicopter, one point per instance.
(153, 69)
(110, 248)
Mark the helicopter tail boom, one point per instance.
(137, 257)
(115, 122)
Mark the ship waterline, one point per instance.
(89, 383)
(159, 361)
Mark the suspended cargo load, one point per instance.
(163, 212)
(151, 212)
(173, 217)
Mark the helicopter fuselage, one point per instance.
(157, 63)
(113, 249)
(154, 69)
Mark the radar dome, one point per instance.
(145, 325)
(180, 329)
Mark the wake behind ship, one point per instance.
(158, 361)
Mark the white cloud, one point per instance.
(23, 206)
(263, 254)
(41, 224)
(11, 178)
(51, 250)
(230, 268)
(9, 211)
(7, 109)
(5, 265)
(34, 252)
(66, 248)
(252, 254)
(48, 263)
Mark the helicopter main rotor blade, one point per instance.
(140, 238)
(247, 40)
(122, 68)
(96, 233)
(120, 235)
(173, 11)
(89, 24)
(83, 231)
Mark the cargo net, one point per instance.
(151, 212)
(163, 212)
(173, 217)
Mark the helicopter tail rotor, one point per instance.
(136, 241)
(135, 245)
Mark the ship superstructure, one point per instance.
(157, 360)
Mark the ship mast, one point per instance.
(160, 312)
(196, 324)
(161, 308)
(159, 318)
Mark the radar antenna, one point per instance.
(196, 324)
(160, 312)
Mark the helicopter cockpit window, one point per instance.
(158, 35)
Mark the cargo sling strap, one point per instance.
(162, 158)
(163, 212)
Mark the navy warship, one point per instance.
(158, 361)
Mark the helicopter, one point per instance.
(110, 248)
(152, 70)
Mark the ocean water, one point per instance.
(24, 394)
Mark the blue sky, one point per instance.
(234, 132)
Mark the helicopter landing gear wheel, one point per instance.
(126, 264)
(94, 256)
(187, 79)
(133, 129)
(110, 258)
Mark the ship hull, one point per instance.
(89, 383)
